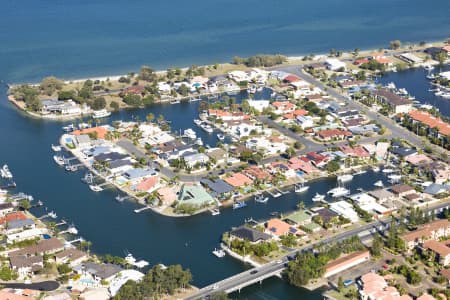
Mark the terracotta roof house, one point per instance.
(418, 159)
(346, 262)
(166, 195)
(283, 107)
(100, 130)
(277, 228)
(357, 151)
(148, 184)
(5, 295)
(136, 89)
(401, 190)
(317, 159)
(14, 216)
(441, 249)
(397, 103)
(296, 163)
(431, 121)
(257, 173)
(330, 134)
(430, 231)
(238, 180)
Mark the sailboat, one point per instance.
(338, 191)
(259, 197)
(379, 183)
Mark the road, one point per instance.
(40, 286)
(278, 266)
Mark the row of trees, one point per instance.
(260, 60)
(244, 247)
(157, 283)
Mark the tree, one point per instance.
(441, 57)
(377, 244)
(333, 166)
(25, 204)
(66, 95)
(114, 105)
(297, 145)
(340, 286)
(132, 100)
(50, 84)
(98, 103)
(394, 45)
(290, 152)
(147, 74)
(150, 117)
(219, 296)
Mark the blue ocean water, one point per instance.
(82, 38)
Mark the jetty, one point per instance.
(274, 195)
(138, 210)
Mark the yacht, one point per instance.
(394, 178)
(208, 128)
(102, 113)
(446, 95)
(197, 122)
(219, 253)
(130, 259)
(431, 76)
(68, 128)
(215, 211)
(428, 67)
(220, 136)
(72, 230)
(388, 170)
(189, 133)
(376, 169)
(439, 93)
(379, 183)
(391, 85)
(56, 148)
(5, 172)
(402, 92)
(260, 198)
(239, 204)
(120, 198)
(345, 178)
(52, 215)
(194, 99)
(301, 187)
(339, 191)
(83, 126)
(318, 198)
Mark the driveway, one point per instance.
(40, 286)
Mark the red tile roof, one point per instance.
(291, 78)
(18, 215)
(277, 227)
(283, 105)
(333, 133)
(101, 131)
(238, 180)
(357, 151)
(430, 121)
(147, 184)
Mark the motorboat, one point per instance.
(59, 160)
(376, 169)
(428, 67)
(102, 113)
(439, 93)
(56, 148)
(199, 141)
(446, 95)
(72, 230)
(239, 204)
(318, 197)
(194, 99)
(83, 126)
(345, 177)
(197, 122)
(5, 172)
(379, 183)
(219, 253)
(174, 101)
(220, 136)
(208, 128)
(52, 215)
(260, 198)
(120, 198)
(391, 85)
(301, 187)
(130, 259)
(189, 133)
(95, 188)
(215, 212)
(394, 178)
(339, 192)
(388, 170)
(68, 128)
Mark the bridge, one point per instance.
(258, 274)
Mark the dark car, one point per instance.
(254, 272)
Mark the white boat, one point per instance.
(219, 253)
(102, 113)
(339, 191)
(69, 128)
(391, 85)
(199, 141)
(379, 183)
(260, 198)
(345, 177)
(95, 188)
(174, 101)
(52, 215)
(394, 178)
(431, 76)
(120, 198)
(208, 128)
(402, 92)
(446, 95)
(194, 99)
(388, 170)
(428, 67)
(5, 172)
(251, 89)
(56, 148)
(197, 122)
(439, 93)
(239, 204)
(301, 187)
(220, 136)
(318, 198)
(59, 160)
(426, 106)
(189, 133)
(130, 259)
(72, 230)
(83, 126)
(215, 211)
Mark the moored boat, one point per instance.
(318, 197)
(345, 177)
(102, 113)
(239, 204)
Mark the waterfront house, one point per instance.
(356, 151)
(218, 155)
(69, 107)
(283, 107)
(335, 64)
(43, 247)
(257, 173)
(137, 174)
(441, 174)
(436, 189)
(258, 105)
(402, 190)
(164, 87)
(238, 180)
(381, 150)
(418, 159)
(218, 187)
(110, 156)
(194, 195)
(13, 216)
(382, 195)
(100, 132)
(19, 225)
(369, 204)
(123, 277)
(26, 266)
(24, 235)
(278, 228)
(397, 104)
(324, 216)
(147, 185)
(440, 249)
(99, 272)
(70, 256)
(82, 141)
(344, 209)
(346, 262)
(250, 234)
(196, 159)
(120, 166)
(431, 231)
(300, 217)
(6, 208)
(298, 164)
(317, 159)
(403, 152)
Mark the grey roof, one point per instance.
(390, 97)
(83, 139)
(22, 261)
(103, 271)
(361, 129)
(218, 186)
(7, 205)
(110, 156)
(19, 223)
(131, 148)
(119, 163)
(403, 151)
(381, 194)
(139, 172)
(326, 214)
(250, 234)
(435, 189)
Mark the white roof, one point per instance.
(26, 234)
(121, 278)
(362, 198)
(344, 209)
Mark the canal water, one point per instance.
(415, 82)
(114, 228)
